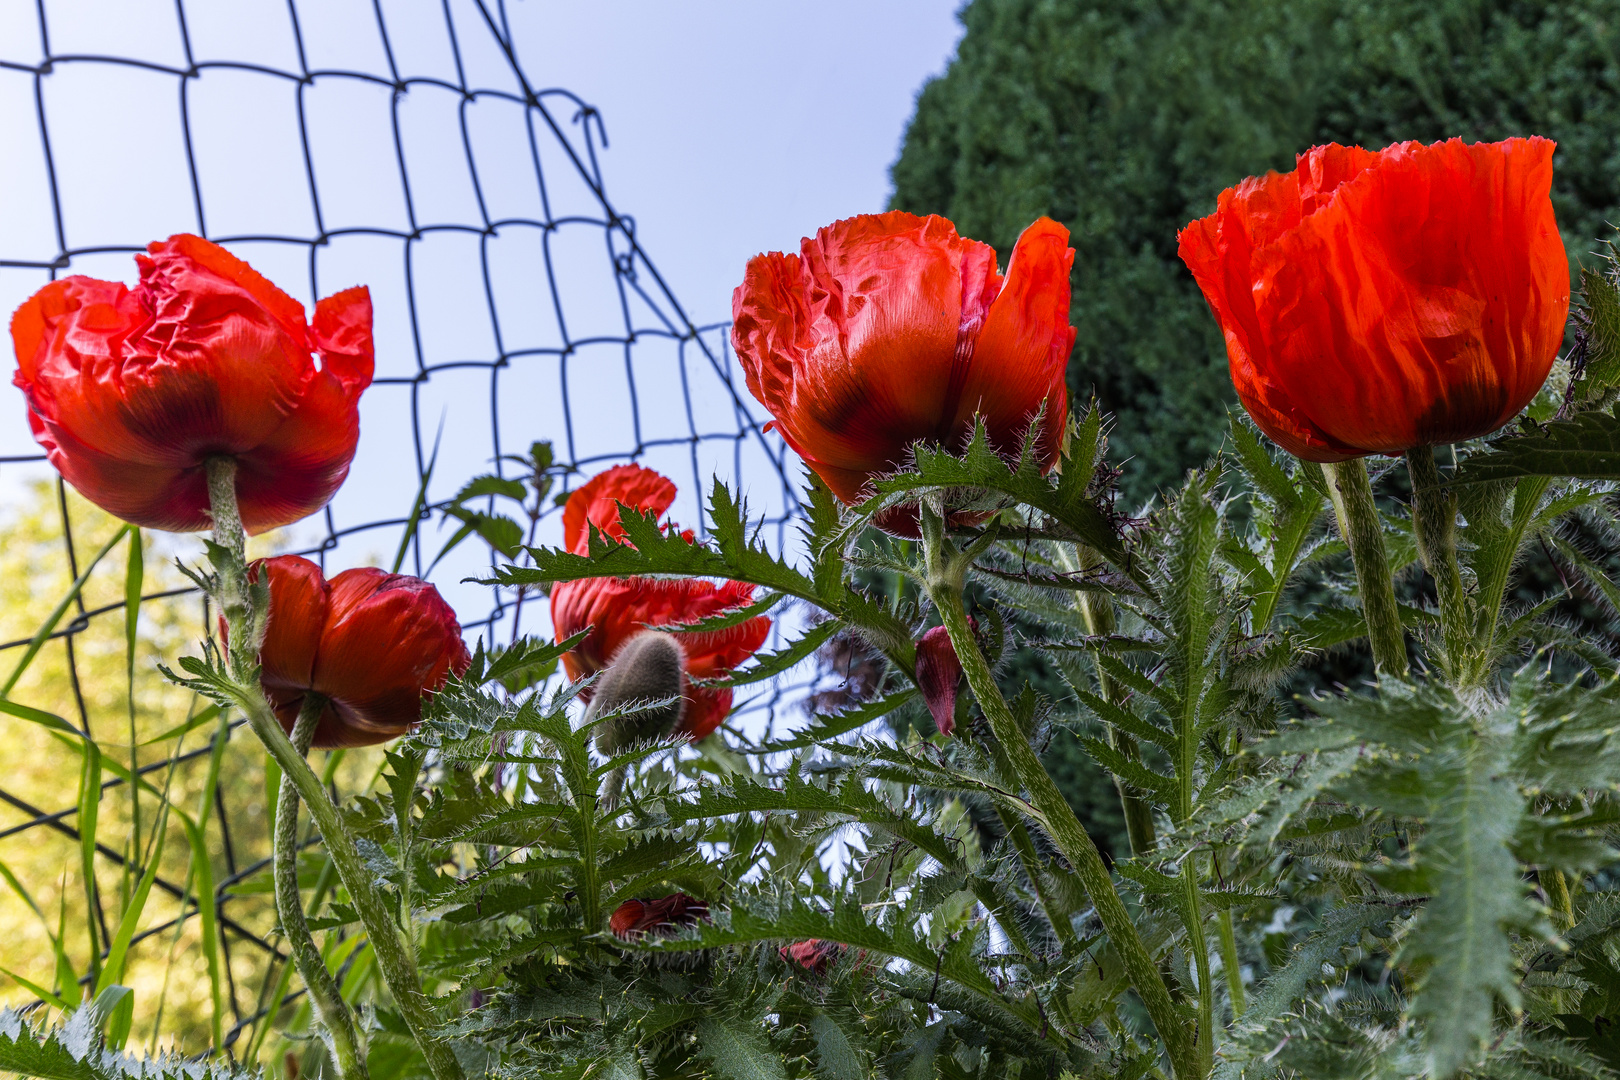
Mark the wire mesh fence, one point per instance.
(329, 143)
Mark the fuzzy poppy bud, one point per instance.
(634, 920)
(939, 677)
(814, 955)
(650, 667)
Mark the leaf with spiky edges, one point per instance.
(824, 727)
(1584, 447)
(852, 801)
(823, 517)
(847, 925)
(733, 553)
(1066, 500)
(1465, 863)
(738, 1050)
(767, 665)
(1338, 928)
(727, 619)
(1597, 321)
(1131, 771)
(77, 1050)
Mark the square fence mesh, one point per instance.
(402, 146)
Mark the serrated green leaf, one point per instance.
(738, 1051)
(1584, 447)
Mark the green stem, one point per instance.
(1098, 611)
(1434, 524)
(1062, 926)
(947, 570)
(1229, 961)
(1556, 886)
(233, 596)
(1363, 531)
(330, 1008)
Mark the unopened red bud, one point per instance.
(939, 677)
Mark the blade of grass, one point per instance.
(38, 991)
(89, 807)
(206, 908)
(65, 975)
(38, 640)
(417, 504)
(192, 724)
(112, 973)
(89, 814)
(134, 578)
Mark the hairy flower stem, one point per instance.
(1434, 523)
(234, 598)
(946, 574)
(1098, 611)
(1229, 961)
(330, 1009)
(1363, 531)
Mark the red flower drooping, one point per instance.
(939, 677)
(664, 917)
(617, 609)
(370, 642)
(1375, 302)
(131, 391)
(888, 329)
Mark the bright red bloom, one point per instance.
(619, 608)
(1374, 302)
(939, 677)
(635, 919)
(130, 391)
(814, 955)
(370, 642)
(888, 329)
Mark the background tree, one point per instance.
(1124, 120)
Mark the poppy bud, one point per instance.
(664, 917)
(371, 643)
(939, 677)
(618, 610)
(131, 391)
(814, 955)
(887, 329)
(650, 667)
(1377, 302)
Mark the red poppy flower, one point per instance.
(617, 609)
(370, 642)
(888, 329)
(939, 677)
(131, 391)
(664, 917)
(1374, 302)
(814, 955)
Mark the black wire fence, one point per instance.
(405, 147)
